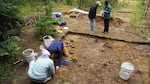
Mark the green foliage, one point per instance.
(44, 26)
(48, 6)
(11, 23)
(57, 1)
(136, 16)
(9, 47)
(3, 52)
(27, 10)
(85, 3)
(10, 19)
(120, 4)
(69, 2)
(5, 68)
(114, 3)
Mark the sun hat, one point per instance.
(98, 3)
(45, 53)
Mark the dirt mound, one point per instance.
(116, 22)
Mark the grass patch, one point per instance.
(62, 8)
(29, 10)
(136, 16)
(6, 67)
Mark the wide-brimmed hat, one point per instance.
(98, 3)
(45, 52)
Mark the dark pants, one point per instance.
(106, 25)
(91, 25)
(34, 81)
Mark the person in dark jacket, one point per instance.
(58, 47)
(107, 11)
(92, 14)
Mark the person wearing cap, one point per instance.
(58, 48)
(42, 69)
(107, 11)
(92, 14)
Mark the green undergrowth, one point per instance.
(136, 16)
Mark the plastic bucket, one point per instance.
(48, 40)
(126, 71)
(29, 55)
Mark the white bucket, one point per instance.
(29, 54)
(126, 71)
(48, 40)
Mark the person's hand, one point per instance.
(57, 67)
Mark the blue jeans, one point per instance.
(91, 24)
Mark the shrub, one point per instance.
(45, 26)
(10, 19)
(9, 47)
(69, 2)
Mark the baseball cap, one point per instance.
(98, 3)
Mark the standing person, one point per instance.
(59, 49)
(107, 11)
(92, 14)
(42, 69)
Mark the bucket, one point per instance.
(48, 40)
(29, 55)
(126, 71)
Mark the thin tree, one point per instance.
(147, 8)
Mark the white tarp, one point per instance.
(79, 10)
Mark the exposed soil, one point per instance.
(99, 61)
(95, 60)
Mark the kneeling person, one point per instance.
(42, 69)
(59, 48)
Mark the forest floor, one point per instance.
(98, 56)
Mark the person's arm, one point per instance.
(107, 10)
(52, 67)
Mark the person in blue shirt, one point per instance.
(92, 14)
(58, 47)
(107, 11)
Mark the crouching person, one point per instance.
(58, 48)
(42, 69)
